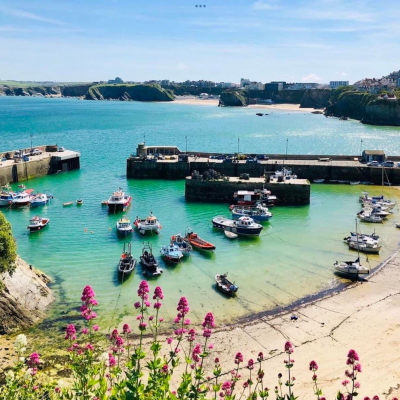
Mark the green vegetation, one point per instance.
(8, 248)
(233, 99)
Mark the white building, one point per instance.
(255, 86)
(244, 82)
(228, 85)
(336, 84)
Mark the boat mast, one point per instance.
(382, 181)
(358, 242)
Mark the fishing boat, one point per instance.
(40, 199)
(68, 203)
(79, 202)
(197, 242)
(149, 263)
(230, 235)
(37, 223)
(243, 226)
(7, 196)
(23, 198)
(251, 198)
(319, 180)
(126, 263)
(371, 218)
(149, 224)
(376, 210)
(225, 285)
(183, 245)
(259, 212)
(124, 226)
(171, 253)
(351, 269)
(118, 201)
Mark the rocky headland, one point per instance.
(232, 99)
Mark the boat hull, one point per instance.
(238, 230)
(256, 217)
(36, 228)
(5, 203)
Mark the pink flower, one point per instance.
(366, 398)
(142, 326)
(210, 346)
(70, 333)
(183, 308)
(313, 366)
(187, 321)
(195, 353)
(34, 360)
(93, 302)
(161, 319)
(89, 347)
(126, 329)
(34, 388)
(245, 385)
(158, 294)
(322, 398)
(375, 398)
(191, 335)
(119, 341)
(151, 317)
(207, 333)
(209, 321)
(157, 305)
(288, 348)
(147, 303)
(143, 290)
(169, 340)
(352, 356)
(260, 356)
(33, 371)
(95, 328)
(57, 389)
(357, 385)
(114, 335)
(226, 385)
(357, 367)
(250, 364)
(85, 331)
(238, 358)
(87, 293)
(164, 369)
(314, 377)
(345, 382)
(137, 304)
(111, 360)
(216, 361)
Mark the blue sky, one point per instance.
(264, 40)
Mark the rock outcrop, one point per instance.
(315, 98)
(75, 90)
(30, 91)
(129, 92)
(232, 99)
(24, 297)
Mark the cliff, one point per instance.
(315, 98)
(24, 297)
(365, 107)
(30, 91)
(129, 92)
(75, 90)
(232, 99)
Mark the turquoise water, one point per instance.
(292, 258)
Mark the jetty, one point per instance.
(169, 162)
(15, 168)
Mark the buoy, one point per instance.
(173, 238)
(123, 256)
(91, 231)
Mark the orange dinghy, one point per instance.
(197, 242)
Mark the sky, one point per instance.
(223, 41)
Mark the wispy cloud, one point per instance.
(264, 5)
(311, 78)
(28, 15)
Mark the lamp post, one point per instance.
(186, 144)
(144, 139)
(287, 142)
(361, 147)
(238, 147)
(31, 140)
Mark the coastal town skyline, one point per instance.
(265, 40)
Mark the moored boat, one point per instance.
(371, 218)
(351, 269)
(148, 262)
(180, 241)
(365, 246)
(251, 198)
(118, 201)
(149, 224)
(259, 212)
(38, 223)
(171, 253)
(23, 198)
(7, 196)
(40, 199)
(197, 242)
(243, 226)
(126, 263)
(124, 226)
(79, 202)
(230, 235)
(225, 285)
(318, 180)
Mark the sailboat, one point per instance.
(351, 269)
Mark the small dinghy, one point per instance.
(127, 263)
(225, 285)
(37, 223)
(184, 246)
(68, 203)
(148, 262)
(371, 218)
(124, 226)
(149, 224)
(318, 180)
(79, 202)
(351, 269)
(171, 253)
(230, 235)
(197, 242)
(40, 200)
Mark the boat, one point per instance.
(118, 201)
(183, 245)
(353, 183)
(149, 224)
(79, 202)
(397, 225)
(319, 180)
(260, 114)
(282, 175)
(225, 285)
(126, 263)
(171, 253)
(230, 235)
(351, 269)
(6, 196)
(377, 200)
(259, 212)
(251, 198)
(37, 223)
(243, 226)
(68, 203)
(149, 263)
(372, 235)
(376, 210)
(124, 226)
(23, 198)
(197, 242)
(371, 218)
(104, 202)
(40, 199)
(365, 246)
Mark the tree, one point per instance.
(8, 247)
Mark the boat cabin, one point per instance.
(151, 220)
(244, 221)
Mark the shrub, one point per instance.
(8, 248)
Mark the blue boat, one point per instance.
(6, 196)
(40, 200)
(243, 226)
(259, 213)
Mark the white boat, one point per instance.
(351, 269)
(355, 183)
(371, 218)
(171, 253)
(319, 180)
(243, 226)
(124, 226)
(284, 174)
(259, 212)
(183, 245)
(376, 210)
(251, 198)
(118, 201)
(23, 198)
(6, 196)
(365, 246)
(230, 235)
(149, 224)
(38, 223)
(40, 199)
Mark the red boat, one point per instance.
(197, 242)
(250, 198)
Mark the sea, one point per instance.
(292, 260)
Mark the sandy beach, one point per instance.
(214, 102)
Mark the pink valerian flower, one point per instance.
(33, 371)
(111, 361)
(375, 398)
(143, 290)
(245, 385)
(191, 335)
(226, 387)
(195, 353)
(158, 293)
(126, 329)
(161, 319)
(238, 358)
(70, 332)
(210, 346)
(322, 398)
(260, 356)
(187, 321)
(313, 366)
(34, 360)
(89, 347)
(357, 367)
(137, 304)
(164, 369)
(183, 309)
(288, 348)
(85, 331)
(207, 333)
(250, 364)
(147, 303)
(209, 321)
(87, 294)
(345, 382)
(114, 335)
(169, 340)
(142, 326)
(357, 385)
(95, 328)
(119, 342)
(180, 331)
(151, 317)
(157, 305)
(352, 357)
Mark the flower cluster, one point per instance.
(88, 303)
(208, 324)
